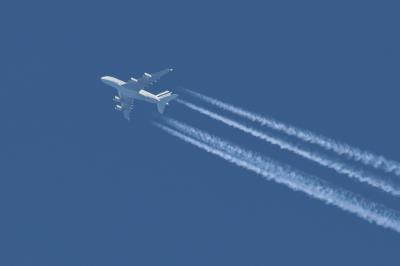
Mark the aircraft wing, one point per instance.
(146, 80)
(126, 105)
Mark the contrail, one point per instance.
(273, 171)
(365, 157)
(338, 166)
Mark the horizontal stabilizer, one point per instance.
(163, 94)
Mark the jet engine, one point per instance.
(118, 107)
(117, 99)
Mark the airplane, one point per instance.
(134, 89)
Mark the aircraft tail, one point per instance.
(164, 100)
(164, 93)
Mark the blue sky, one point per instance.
(79, 185)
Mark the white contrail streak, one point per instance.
(365, 157)
(273, 171)
(338, 166)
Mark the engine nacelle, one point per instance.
(118, 107)
(116, 99)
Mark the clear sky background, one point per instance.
(79, 185)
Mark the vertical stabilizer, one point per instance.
(164, 101)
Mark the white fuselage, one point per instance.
(140, 94)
